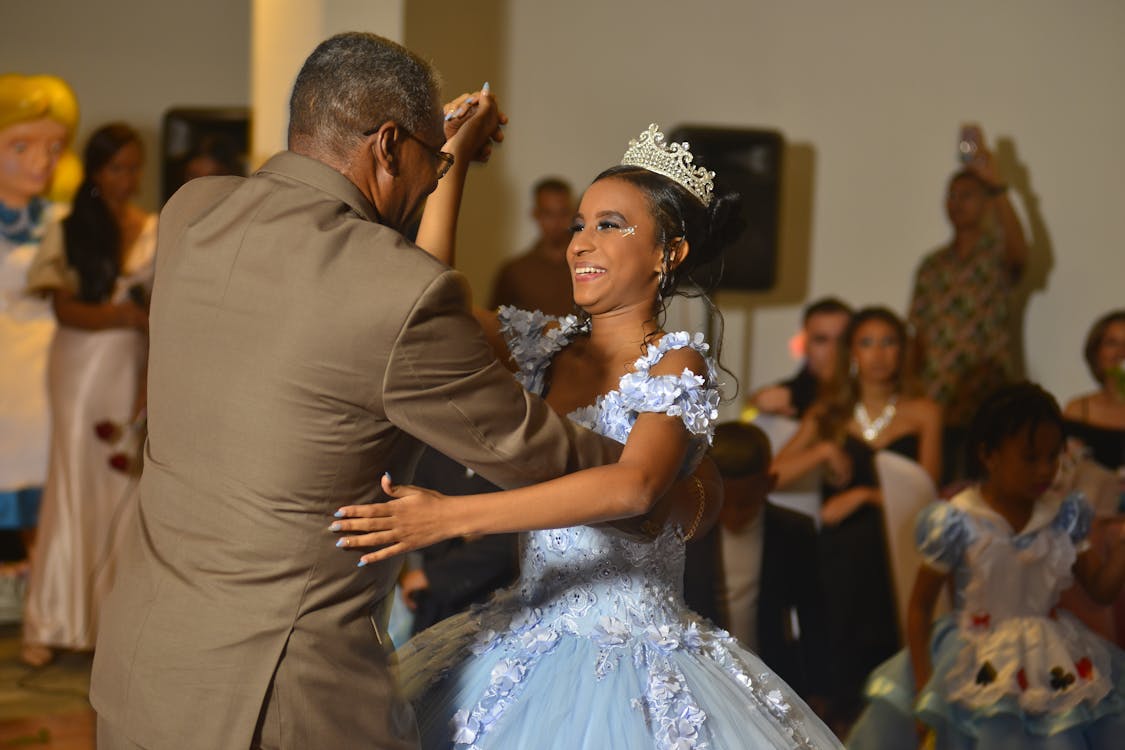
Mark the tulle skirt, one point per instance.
(683, 684)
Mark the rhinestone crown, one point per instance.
(674, 161)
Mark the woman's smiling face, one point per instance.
(615, 253)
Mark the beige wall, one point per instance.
(283, 34)
(869, 95)
(132, 60)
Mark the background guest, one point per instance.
(822, 328)
(868, 407)
(214, 155)
(755, 572)
(961, 308)
(1097, 419)
(540, 279)
(38, 115)
(92, 266)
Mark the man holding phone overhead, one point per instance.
(961, 306)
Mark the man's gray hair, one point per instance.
(354, 82)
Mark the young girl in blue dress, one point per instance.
(1005, 669)
(593, 647)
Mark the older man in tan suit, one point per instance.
(300, 348)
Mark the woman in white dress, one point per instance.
(96, 267)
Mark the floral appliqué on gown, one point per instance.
(593, 646)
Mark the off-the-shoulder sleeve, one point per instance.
(533, 338)
(942, 534)
(1075, 517)
(49, 270)
(692, 397)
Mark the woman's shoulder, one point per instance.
(920, 407)
(1076, 407)
(674, 352)
(674, 376)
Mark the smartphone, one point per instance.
(969, 143)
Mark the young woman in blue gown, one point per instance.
(593, 646)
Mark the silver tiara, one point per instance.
(674, 161)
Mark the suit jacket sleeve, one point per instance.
(444, 386)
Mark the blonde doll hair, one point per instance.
(25, 98)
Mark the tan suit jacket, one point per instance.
(299, 350)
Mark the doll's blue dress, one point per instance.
(593, 646)
(1010, 671)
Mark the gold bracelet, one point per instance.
(699, 511)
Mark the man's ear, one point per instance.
(383, 144)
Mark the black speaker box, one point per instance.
(748, 162)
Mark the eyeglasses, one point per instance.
(445, 159)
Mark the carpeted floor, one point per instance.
(43, 709)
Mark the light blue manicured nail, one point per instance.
(387, 474)
(335, 526)
(486, 87)
(339, 514)
(361, 563)
(341, 542)
(449, 117)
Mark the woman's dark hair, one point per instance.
(1094, 341)
(841, 393)
(679, 215)
(1008, 411)
(93, 239)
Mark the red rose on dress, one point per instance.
(119, 461)
(1085, 668)
(1021, 678)
(107, 430)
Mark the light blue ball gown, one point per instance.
(593, 646)
(1010, 672)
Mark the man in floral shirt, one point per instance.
(961, 307)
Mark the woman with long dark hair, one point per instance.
(868, 406)
(96, 267)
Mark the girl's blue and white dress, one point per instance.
(593, 646)
(1009, 670)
